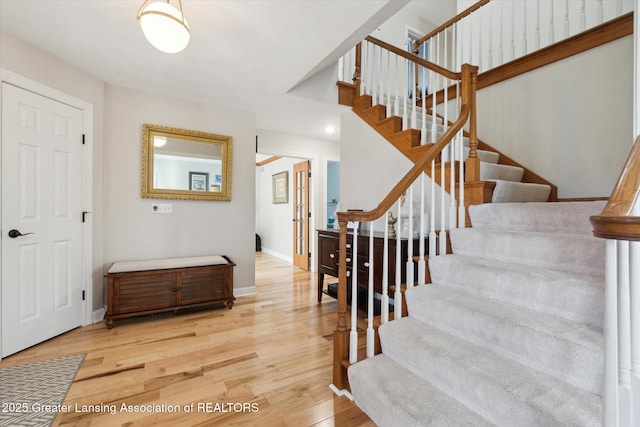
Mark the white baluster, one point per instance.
(396, 103)
(566, 19)
(489, 7)
(377, 87)
(423, 113)
(610, 398)
(409, 264)
(389, 102)
(537, 39)
(414, 97)
(405, 93)
(341, 67)
(452, 182)
(397, 295)
(634, 283)
(434, 89)
(370, 266)
(480, 45)
(364, 67)
(422, 264)
(353, 335)
(524, 28)
(624, 334)
(471, 38)
(600, 12)
(583, 17)
(442, 236)
(459, 138)
(385, 272)
(513, 31)
(501, 36)
(372, 76)
(551, 26)
(433, 249)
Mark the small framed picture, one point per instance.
(198, 181)
(280, 187)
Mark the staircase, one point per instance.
(512, 329)
(509, 332)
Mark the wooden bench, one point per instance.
(153, 286)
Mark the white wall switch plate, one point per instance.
(162, 208)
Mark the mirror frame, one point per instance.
(149, 192)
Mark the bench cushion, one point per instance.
(165, 263)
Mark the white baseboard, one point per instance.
(98, 315)
(278, 255)
(245, 291)
(343, 392)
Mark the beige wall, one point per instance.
(123, 226)
(570, 122)
(132, 230)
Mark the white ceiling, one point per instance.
(244, 54)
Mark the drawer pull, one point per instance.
(332, 255)
(348, 245)
(348, 259)
(366, 264)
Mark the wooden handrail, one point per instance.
(470, 72)
(450, 22)
(415, 58)
(615, 221)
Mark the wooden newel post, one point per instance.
(469, 83)
(341, 334)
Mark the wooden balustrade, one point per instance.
(467, 78)
(620, 225)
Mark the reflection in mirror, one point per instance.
(184, 164)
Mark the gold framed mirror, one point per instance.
(185, 164)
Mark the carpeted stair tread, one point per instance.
(574, 253)
(566, 349)
(396, 397)
(494, 171)
(564, 217)
(573, 296)
(519, 192)
(501, 390)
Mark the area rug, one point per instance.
(32, 395)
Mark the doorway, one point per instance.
(301, 214)
(284, 220)
(45, 258)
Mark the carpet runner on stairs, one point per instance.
(509, 331)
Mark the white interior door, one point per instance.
(42, 193)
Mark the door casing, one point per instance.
(87, 118)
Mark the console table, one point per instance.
(328, 255)
(152, 286)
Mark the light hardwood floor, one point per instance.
(266, 362)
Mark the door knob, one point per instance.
(16, 233)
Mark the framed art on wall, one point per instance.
(280, 187)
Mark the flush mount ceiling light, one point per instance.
(164, 25)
